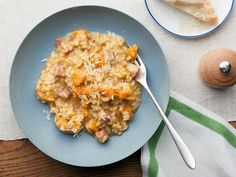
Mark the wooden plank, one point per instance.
(19, 158)
(233, 123)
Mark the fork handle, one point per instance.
(183, 149)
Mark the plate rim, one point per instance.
(190, 36)
(38, 145)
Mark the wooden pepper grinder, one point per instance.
(218, 68)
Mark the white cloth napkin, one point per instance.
(17, 18)
(209, 137)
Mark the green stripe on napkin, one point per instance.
(191, 114)
(152, 143)
(203, 120)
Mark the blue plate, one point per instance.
(85, 150)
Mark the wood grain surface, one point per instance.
(19, 158)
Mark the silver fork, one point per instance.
(187, 156)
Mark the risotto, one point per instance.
(88, 83)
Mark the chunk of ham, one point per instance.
(101, 136)
(62, 92)
(60, 70)
(133, 69)
(58, 42)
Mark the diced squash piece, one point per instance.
(132, 52)
(61, 123)
(127, 108)
(78, 77)
(77, 126)
(75, 34)
(125, 92)
(45, 95)
(92, 126)
(82, 90)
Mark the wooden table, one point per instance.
(19, 158)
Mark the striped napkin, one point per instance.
(209, 137)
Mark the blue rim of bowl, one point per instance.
(190, 36)
(11, 97)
